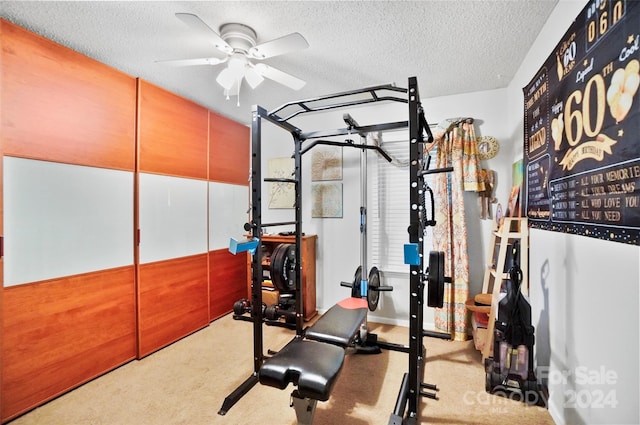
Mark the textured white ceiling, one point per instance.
(451, 46)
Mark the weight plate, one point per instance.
(433, 278)
(373, 295)
(440, 281)
(283, 267)
(289, 268)
(277, 268)
(355, 287)
(431, 271)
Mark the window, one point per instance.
(388, 212)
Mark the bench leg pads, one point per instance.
(312, 366)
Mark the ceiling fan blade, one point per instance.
(192, 62)
(279, 76)
(205, 31)
(279, 46)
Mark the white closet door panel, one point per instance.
(63, 220)
(173, 217)
(228, 205)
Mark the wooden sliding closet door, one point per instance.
(227, 216)
(173, 293)
(68, 144)
(1, 250)
(229, 150)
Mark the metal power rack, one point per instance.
(412, 388)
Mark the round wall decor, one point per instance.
(487, 147)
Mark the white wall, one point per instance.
(584, 292)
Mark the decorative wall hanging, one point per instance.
(516, 173)
(485, 197)
(488, 147)
(582, 119)
(281, 195)
(326, 163)
(327, 200)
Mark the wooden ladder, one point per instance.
(502, 238)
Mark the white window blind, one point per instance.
(388, 212)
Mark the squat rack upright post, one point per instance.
(412, 386)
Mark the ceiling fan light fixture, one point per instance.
(226, 78)
(253, 77)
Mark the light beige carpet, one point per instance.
(187, 382)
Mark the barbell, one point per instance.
(283, 275)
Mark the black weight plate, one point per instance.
(432, 280)
(373, 295)
(276, 268)
(431, 295)
(283, 267)
(289, 267)
(440, 283)
(357, 279)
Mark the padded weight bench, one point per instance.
(341, 324)
(313, 363)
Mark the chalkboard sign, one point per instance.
(582, 118)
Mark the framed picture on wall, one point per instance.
(513, 206)
(326, 200)
(326, 163)
(281, 194)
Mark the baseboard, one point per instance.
(388, 321)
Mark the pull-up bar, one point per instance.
(353, 127)
(346, 144)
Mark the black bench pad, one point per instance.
(312, 366)
(341, 323)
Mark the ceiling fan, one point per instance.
(238, 44)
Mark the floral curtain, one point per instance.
(456, 148)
